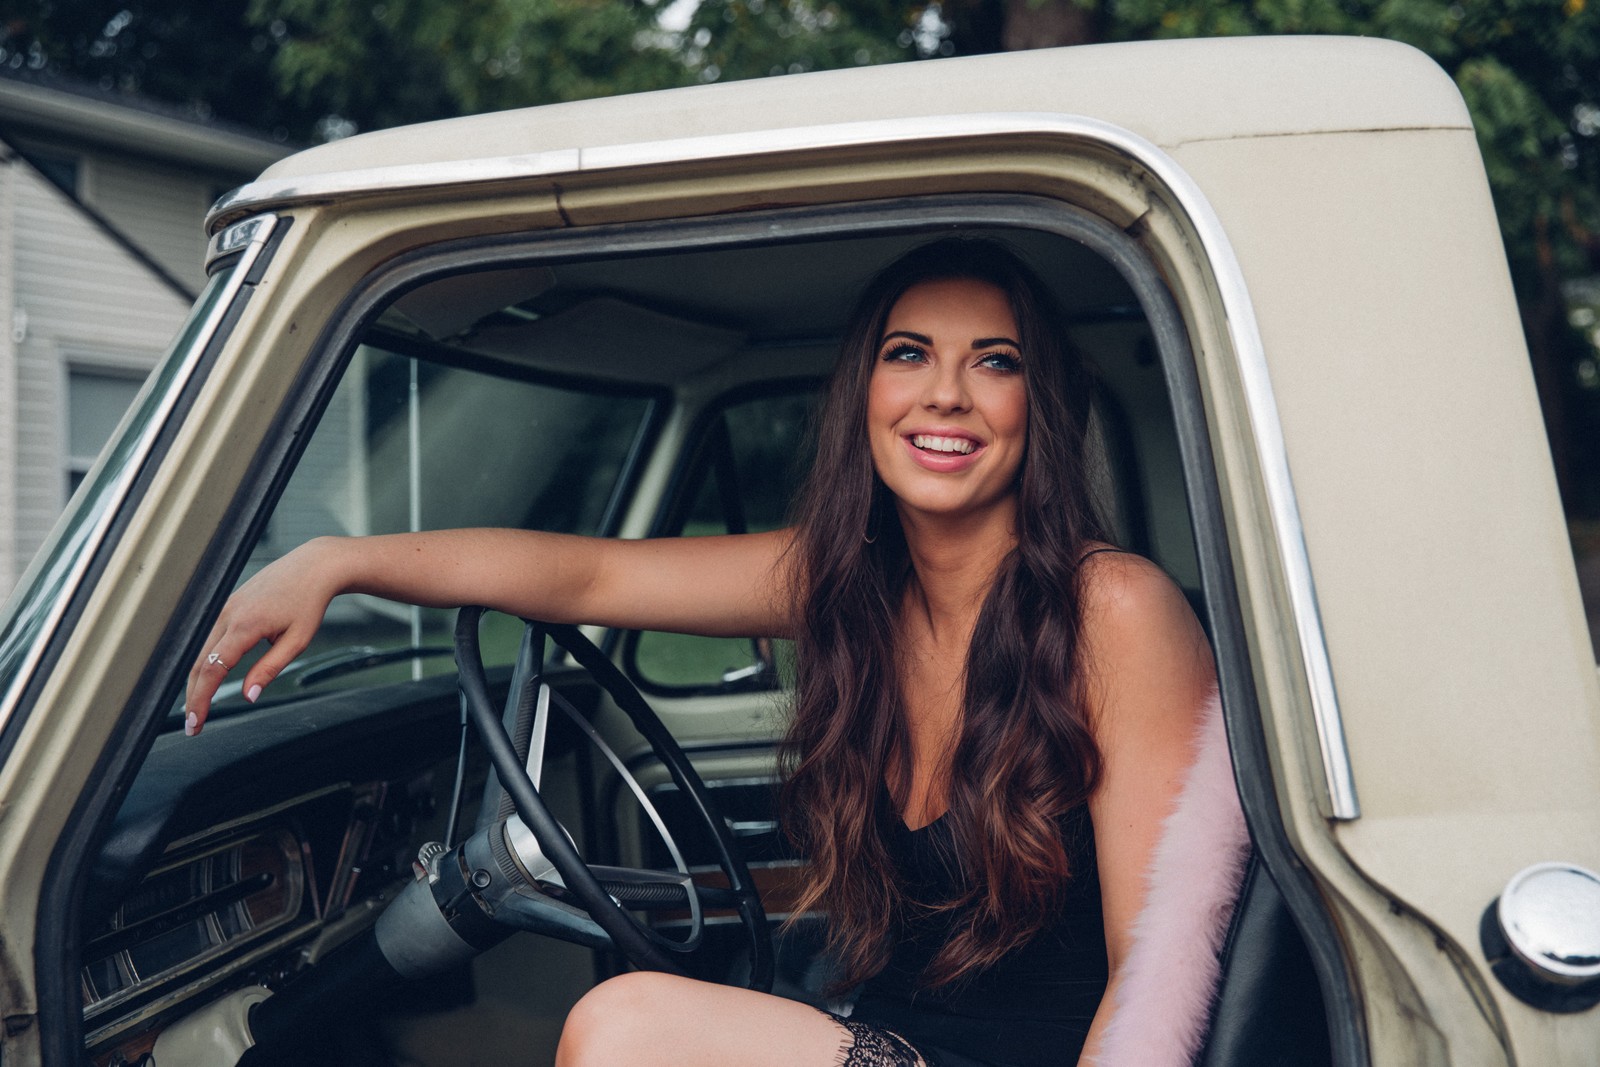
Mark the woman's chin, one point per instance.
(957, 508)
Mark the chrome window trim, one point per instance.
(239, 236)
(260, 229)
(1238, 312)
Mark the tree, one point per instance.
(306, 70)
(204, 59)
(394, 61)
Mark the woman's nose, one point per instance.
(945, 389)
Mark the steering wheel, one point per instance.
(603, 896)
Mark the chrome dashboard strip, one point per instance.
(1267, 431)
(101, 1036)
(136, 461)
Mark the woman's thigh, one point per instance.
(661, 1020)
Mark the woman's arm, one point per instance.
(1150, 676)
(718, 586)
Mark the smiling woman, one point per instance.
(944, 689)
(947, 398)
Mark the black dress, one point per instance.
(1032, 1008)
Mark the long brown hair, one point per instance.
(1025, 755)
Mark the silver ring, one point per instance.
(216, 659)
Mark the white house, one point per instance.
(101, 253)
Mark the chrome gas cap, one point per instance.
(1542, 936)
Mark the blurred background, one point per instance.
(121, 121)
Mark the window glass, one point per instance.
(53, 575)
(61, 170)
(96, 402)
(748, 463)
(406, 445)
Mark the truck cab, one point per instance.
(613, 317)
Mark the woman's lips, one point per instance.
(943, 452)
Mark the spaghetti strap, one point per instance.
(1097, 551)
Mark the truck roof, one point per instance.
(1168, 92)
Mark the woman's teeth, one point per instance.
(930, 443)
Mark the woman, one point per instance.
(995, 708)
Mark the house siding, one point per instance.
(9, 424)
(159, 208)
(86, 300)
(97, 277)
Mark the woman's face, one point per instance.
(947, 407)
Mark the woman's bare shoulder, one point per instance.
(1124, 588)
(1142, 645)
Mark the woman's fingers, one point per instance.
(223, 654)
(282, 605)
(205, 677)
(284, 649)
(272, 607)
(223, 650)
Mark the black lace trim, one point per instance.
(866, 1045)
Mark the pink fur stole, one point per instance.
(1163, 1004)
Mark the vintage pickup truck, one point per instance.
(612, 317)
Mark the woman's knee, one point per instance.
(621, 1018)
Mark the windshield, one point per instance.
(411, 442)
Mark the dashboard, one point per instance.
(250, 855)
(244, 855)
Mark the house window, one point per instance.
(62, 170)
(97, 397)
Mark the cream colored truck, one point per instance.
(611, 317)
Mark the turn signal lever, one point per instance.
(461, 903)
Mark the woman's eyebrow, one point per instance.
(924, 339)
(921, 339)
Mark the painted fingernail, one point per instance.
(252, 693)
(191, 724)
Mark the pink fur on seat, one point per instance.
(1170, 977)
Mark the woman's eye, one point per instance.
(902, 353)
(1001, 361)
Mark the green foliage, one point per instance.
(204, 59)
(734, 39)
(314, 69)
(396, 61)
(481, 55)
